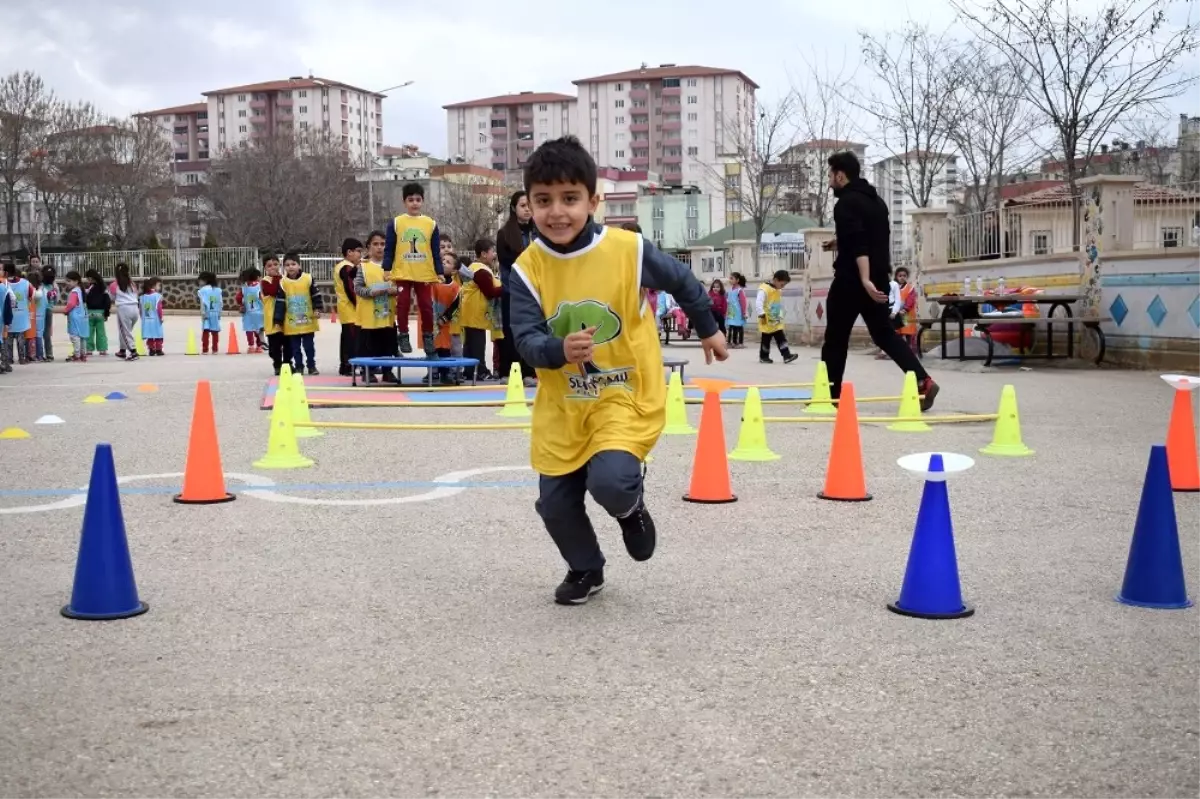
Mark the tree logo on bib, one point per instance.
(571, 317)
(414, 238)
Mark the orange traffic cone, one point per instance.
(233, 348)
(1181, 444)
(710, 466)
(203, 479)
(845, 480)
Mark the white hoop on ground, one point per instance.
(952, 463)
(1187, 382)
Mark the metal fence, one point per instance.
(1164, 217)
(156, 263)
(1019, 231)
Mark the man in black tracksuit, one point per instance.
(861, 272)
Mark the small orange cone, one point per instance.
(233, 348)
(845, 480)
(1182, 461)
(710, 466)
(203, 479)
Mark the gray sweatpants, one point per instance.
(613, 478)
(127, 317)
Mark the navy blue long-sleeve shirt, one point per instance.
(389, 247)
(660, 272)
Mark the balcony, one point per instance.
(639, 127)
(671, 91)
(500, 133)
(672, 141)
(283, 115)
(524, 126)
(674, 178)
(501, 115)
(283, 102)
(640, 161)
(525, 112)
(672, 126)
(258, 104)
(639, 94)
(525, 144)
(671, 160)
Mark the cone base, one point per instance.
(1007, 450)
(699, 501)
(284, 463)
(1187, 603)
(909, 427)
(966, 611)
(1186, 490)
(178, 499)
(821, 410)
(141, 608)
(863, 498)
(754, 457)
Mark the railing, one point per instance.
(1019, 231)
(188, 262)
(1167, 217)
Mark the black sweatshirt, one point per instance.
(860, 219)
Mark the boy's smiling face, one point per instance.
(560, 210)
(292, 268)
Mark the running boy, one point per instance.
(409, 252)
(769, 307)
(579, 316)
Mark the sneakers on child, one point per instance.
(928, 390)
(405, 343)
(765, 360)
(578, 587)
(789, 358)
(637, 529)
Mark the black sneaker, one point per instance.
(405, 343)
(312, 371)
(578, 587)
(638, 531)
(929, 390)
(790, 358)
(765, 360)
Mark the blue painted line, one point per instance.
(1153, 279)
(158, 490)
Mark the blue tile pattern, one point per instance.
(1157, 311)
(1119, 310)
(1194, 311)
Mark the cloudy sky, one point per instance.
(133, 55)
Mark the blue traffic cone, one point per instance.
(931, 589)
(104, 586)
(115, 395)
(1154, 572)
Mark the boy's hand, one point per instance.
(577, 347)
(714, 347)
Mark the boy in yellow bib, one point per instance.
(412, 253)
(769, 307)
(579, 314)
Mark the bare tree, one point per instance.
(994, 128)
(25, 108)
(1087, 70)
(824, 126)
(61, 170)
(751, 166)
(130, 174)
(468, 211)
(284, 193)
(913, 93)
(1146, 148)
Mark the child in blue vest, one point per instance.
(151, 309)
(77, 318)
(21, 294)
(210, 311)
(249, 297)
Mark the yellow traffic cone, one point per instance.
(514, 396)
(283, 452)
(910, 408)
(191, 343)
(1006, 440)
(821, 403)
(677, 420)
(300, 410)
(139, 344)
(752, 438)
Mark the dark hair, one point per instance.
(292, 256)
(483, 245)
(122, 272)
(266, 259)
(737, 278)
(782, 275)
(92, 274)
(248, 274)
(33, 277)
(561, 161)
(464, 260)
(147, 285)
(73, 275)
(350, 244)
(375, 233)
(207, 278)
(632, 227)
(48, 274)
(510, 232)
(900, 269)
(445, 237)
(413, 190)
(10, 268)
(845, 162)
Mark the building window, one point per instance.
(242, 113)
(303, 109)
(692, 99)
(691, 212)
(1041, 242)
(692, 234)
(619, 154)
(693, 151)
(693, 116)
(619, 137)
(543, 107)
(658, 235)
(482, 124)
(191, 177)
(303, 93)
(657, 213)
(671, 83)
(619, 104)
(691, 81)
(620, 87)
(303, 126)
(499, 123)
(241, 98)
(543, 122)
(241, 128)
(499, 165)
(620, 120)
(594, 104)
(1172, 236)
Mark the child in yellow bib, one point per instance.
(769, 307)
(579, 314)
(412, 254)
(301, 319)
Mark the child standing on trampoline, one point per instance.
(579, 314)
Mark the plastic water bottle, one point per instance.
(966, 287)
(1000, 285)
(979, 285)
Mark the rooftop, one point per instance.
(666, 71)
(1142, 193)
(310, 82)
(191, 108)
(520, 98)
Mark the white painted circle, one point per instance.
(441, 492)
(1182, 381)
(952, 463)
(79, 500)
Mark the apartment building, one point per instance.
(898, 178)
(673, 217)
(682, 122)
(807, 171)
(501, 132)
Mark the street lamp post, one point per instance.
(371, 161)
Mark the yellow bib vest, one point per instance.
(346, 312)
(375, 312)
(494, 314)
(300, 317)
(472, 305)
(617, 401)
(269, 326)
(414, 250)
(772, 310)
